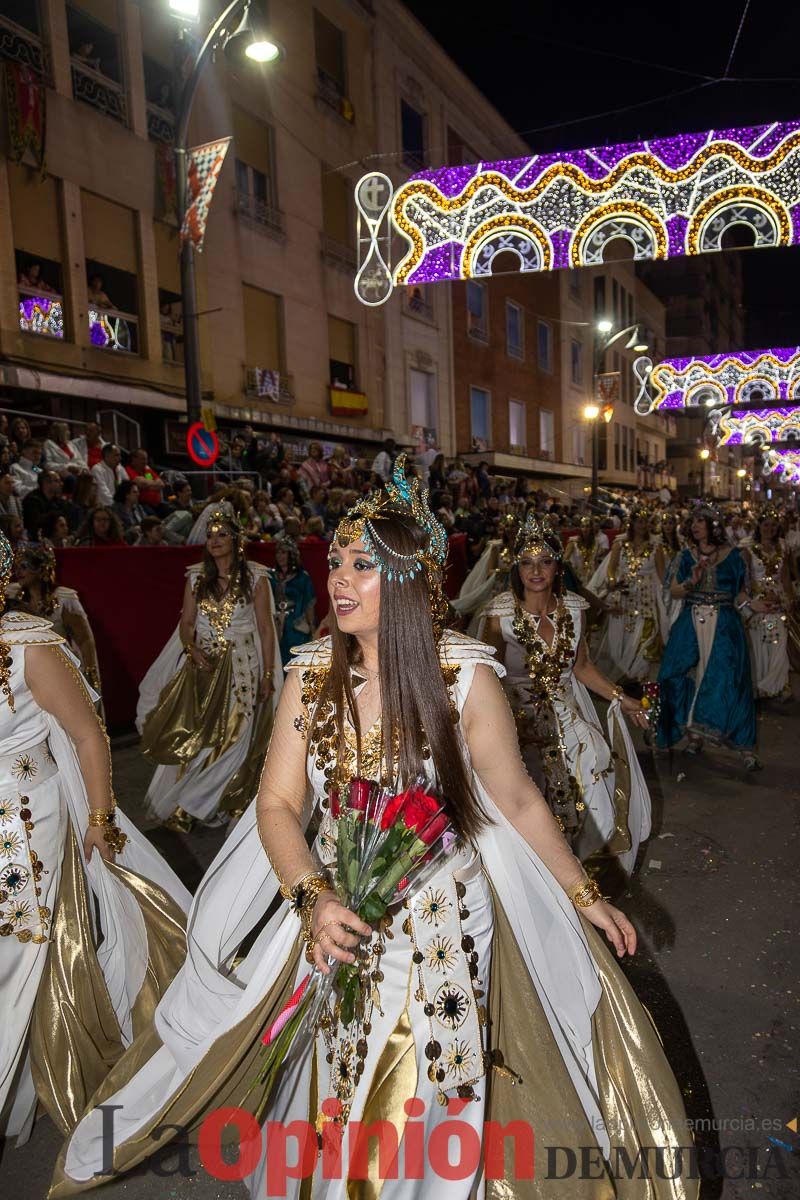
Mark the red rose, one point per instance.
(336, 807)
(423, 810)
(360, 792)
(392, 809)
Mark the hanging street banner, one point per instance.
(202, 445)
(26, 107)
(202, 171)
(607, 388)
(753, 377)
(666, 197)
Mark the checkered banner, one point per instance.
(205, 164)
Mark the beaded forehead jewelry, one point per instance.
(537, 537)
(403, 498)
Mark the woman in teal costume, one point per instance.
(294, 597)
(706, 688)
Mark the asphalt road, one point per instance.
(715, 903)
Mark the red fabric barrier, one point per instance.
(133, 598)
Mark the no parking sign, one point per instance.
(202, 444)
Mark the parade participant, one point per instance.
(705, 681)
(35, 591)
(489, 576)
(206, 705)
(71, 998)
(629, 579)
(767, 632)
(584, 552)
(293, 594)
(389, 695)
(599, 799)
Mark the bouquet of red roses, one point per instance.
(387, 845)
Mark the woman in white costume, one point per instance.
(35, 591)
(599, 799)
(206, 705)
(69, 1009)
(584, 552)
(767, 632)
(472, 970)
(630, 580)
(489, 576)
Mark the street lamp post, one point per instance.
(242, 41)
(592, 412)
(705, 454)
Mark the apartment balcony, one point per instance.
(276, 387)
(330, 97)
(478, 329)
(160, 124)
(41, 313)
(113, 330)
(338, 254)
(22, 46)
(259, 213)
(99, 91)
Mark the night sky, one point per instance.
(567, 75)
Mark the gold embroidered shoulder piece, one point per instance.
(27, 629)
(501, 605)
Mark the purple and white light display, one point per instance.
(667, 197)
(735, 377)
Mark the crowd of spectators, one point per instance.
(82, 491)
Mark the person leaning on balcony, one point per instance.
(26, 469)
(108, 474)
(60, 454)
(97, 296)
(31, 278)
(45, 498)
(9, 504)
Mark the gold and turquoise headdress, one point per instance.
(400, 497)
(537, 537)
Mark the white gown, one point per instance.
(633, 641)
(587, 750)
(767, 632)
(198, 787)
(40, 776)
(584, 563)
(218, 1003)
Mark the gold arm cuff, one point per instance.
(585, 893)
(102, 816)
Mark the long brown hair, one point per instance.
(208, 583)
(416, 715)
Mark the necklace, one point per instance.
(219, 614)
(540, 726)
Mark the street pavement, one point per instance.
(715, 904)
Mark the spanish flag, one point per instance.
(348, 404)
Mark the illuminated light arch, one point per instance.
(758, 426)
(668, 197)
(634, 223)
(756, 208)
(679, 383)
(783, 462)
(519, 235)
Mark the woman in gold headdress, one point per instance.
(630, 581)
(767, 631)
(70, 864)
(538, 627)
(469, 974)
(584, 552)
(206, 705)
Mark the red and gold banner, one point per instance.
(26, 107)
(348, 404)
(202, 172)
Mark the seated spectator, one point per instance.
(55, 530)
(80, 493)
(151, 486)
(27, 468)
(315, 530)
(178, 525)
(101, 528)
(89, 445)
(129, 510)
(293, 528)
(20, 434)
(287, 505)
(46, 498)
(341, 468)
(315, 504)
(266, 515)
(152, 532)
(108, 474)
(9, 504)
(314, 472)
(334, 508)
(59, 453)
(13, 529)
(4, 437)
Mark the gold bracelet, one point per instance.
(585, 893)
(115, 838)
(269, 673)
(617, 694)
(188, 647)
(102, 816)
